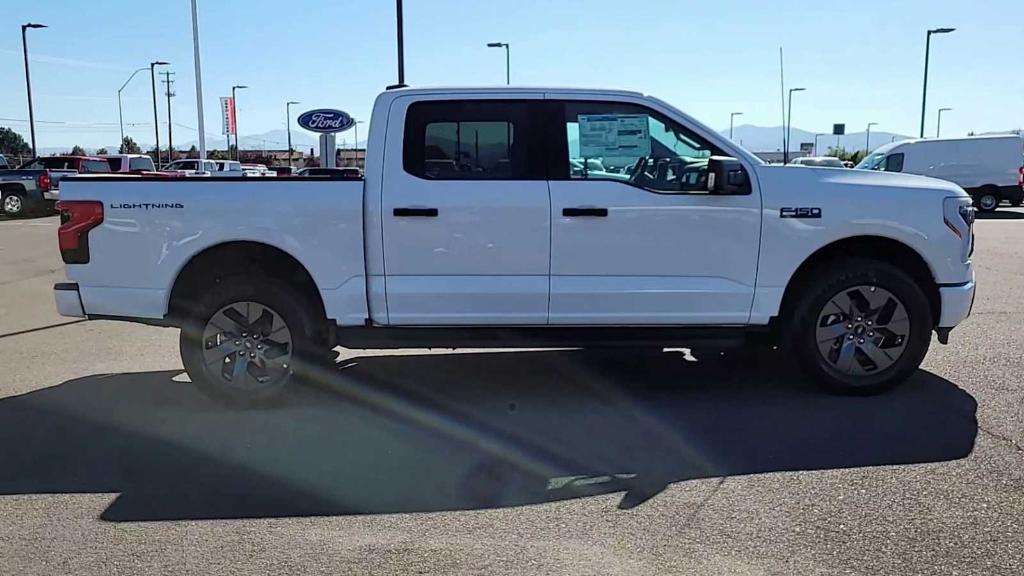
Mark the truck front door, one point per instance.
(465, 213)
(635, 237)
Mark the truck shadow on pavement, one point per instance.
(436, 432)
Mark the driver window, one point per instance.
(634, 145)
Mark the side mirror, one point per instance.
(727, 176)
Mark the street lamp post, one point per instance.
(156, 122)
(732, 117)
(789, 124)
(867, 138)
(927, 52)
(288, 123)
(234, 104)
(938, 122)
(120, 117)
(401, 43)
(28, 81)
(816, 136)
(507, 60)
(355, 125)
(199, 82)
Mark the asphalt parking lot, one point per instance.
(504, 462)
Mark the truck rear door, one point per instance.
(465, 210)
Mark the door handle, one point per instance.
(576, 212)
(406, 212)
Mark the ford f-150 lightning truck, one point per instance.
(511, 217)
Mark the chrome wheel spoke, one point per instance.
(846, 356)
(236, 317)
(830, 333)
(877, 355)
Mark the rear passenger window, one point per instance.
(135, 164)
(92, 166)
(471, 140)
(894, 163)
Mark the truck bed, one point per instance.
(158, 225)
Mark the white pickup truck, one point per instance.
(527, 217)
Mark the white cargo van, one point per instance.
(989, 168)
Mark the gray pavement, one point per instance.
(483, 462)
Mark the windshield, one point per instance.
(871, 162)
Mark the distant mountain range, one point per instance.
(769, 139)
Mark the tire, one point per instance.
(253, 358)
(13, 204)
(860, 298)
(1015, 203)
(988, 199)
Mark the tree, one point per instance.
(128, 146)
(217, 155)
(12, 144)
(101, 151)
(192, 152)
(77, 150)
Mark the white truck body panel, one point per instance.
(138, 252)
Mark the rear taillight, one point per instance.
(43, 181)
(77, 218)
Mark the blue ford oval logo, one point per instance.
(325, 121)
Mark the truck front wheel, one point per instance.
(246, 339)
(860, 326)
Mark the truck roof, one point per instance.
(523, 89)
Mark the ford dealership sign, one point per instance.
(325, 121)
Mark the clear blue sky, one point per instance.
(860, 61)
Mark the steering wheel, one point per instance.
(700, 169)
(638, 170)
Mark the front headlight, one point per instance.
(958, 215)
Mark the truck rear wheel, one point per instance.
(988, 199)
(860, 327)
(12, 203)
(247, 339)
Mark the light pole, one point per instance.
(355, 125)
(816, 144)
(867, 138)
(288, 123)
(938, 123)
(355, 147)
(732, 117)
(234, 105)
(789, 124)
(505, 46)
(120, 117)
(28, 81)
(927, 52)
(401, 43)
(199, 82)
(156, 122)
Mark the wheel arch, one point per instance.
(879, 248)
(237, 257)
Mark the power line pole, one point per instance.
(169, 91)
